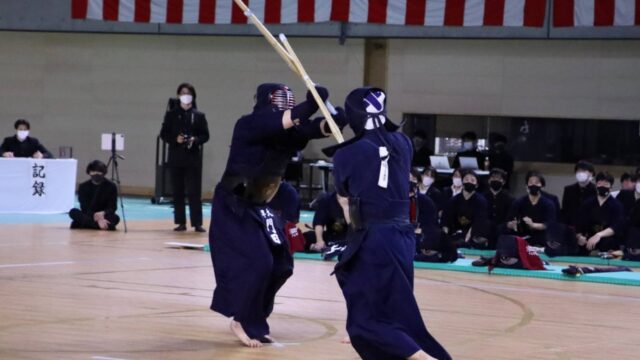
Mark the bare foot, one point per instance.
(346, 340)
(237, 330)
(421, 355)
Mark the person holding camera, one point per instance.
(185, 129)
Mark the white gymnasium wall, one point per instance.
(73, 87)
(594, 79)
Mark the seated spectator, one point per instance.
(466, 219)
(601, 219)
(630, 200)
(98, 201)
(627, 183)
(329, 224)
(22, 145)
(499, 158)
(456, 186)
(574, 195)
(421, 150)
(531, 214)
(499, 201)
(469, 149)
(426, 186)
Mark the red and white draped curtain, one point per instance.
(510, 13)
(567, 13)
(392, 12)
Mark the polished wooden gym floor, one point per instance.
(97, 295)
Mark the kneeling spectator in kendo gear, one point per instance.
(601, 219)
(466, 219)
(329, 225)
(98, 201)
(286, 205)
(500, 202)
(631, 202)
(530, 215)
(431, 242)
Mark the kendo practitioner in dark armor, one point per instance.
(286, 205)
(329, 224)
(375, 272)
(185, 129)
(630, 200)
(531, 215)
(250, 254)
(499, 201)
(466, 218)
(601, 222)
(98, 199)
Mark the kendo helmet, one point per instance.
(365, 108)
(274, 96)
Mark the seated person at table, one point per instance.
(531, 214)
(421, 150)
(466, 219)
(22, 145)
(469, 149)
(630, 200)
(500, 202)
(574, 195)
(601, 221)
(426, 186)
(329, 224)
(456, 186)
(98, 201)
(499, 157)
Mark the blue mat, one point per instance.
(553, 272)
(136, 208)
(589, 260)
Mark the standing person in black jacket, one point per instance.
(98, 201)
(21, 145)
(576, 194)
(185, 129)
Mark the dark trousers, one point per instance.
(85, 221)
(189, 178)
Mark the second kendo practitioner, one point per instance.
(249, 251)
(375, 272)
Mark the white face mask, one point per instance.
(457, 181)
(186, 99)
(22, 134)
(638, 187)
(427, 181)
(582, 176)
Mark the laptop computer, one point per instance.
(440, 162)
(469, 163)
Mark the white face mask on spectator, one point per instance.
(186, 99)
(457, 181)
(22, 134)
(582, 176)
(427, 181)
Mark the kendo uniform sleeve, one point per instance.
(616, 213)
(112, 197)
(322, 212)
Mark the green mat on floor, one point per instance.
(554, 272)
(588, 260)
